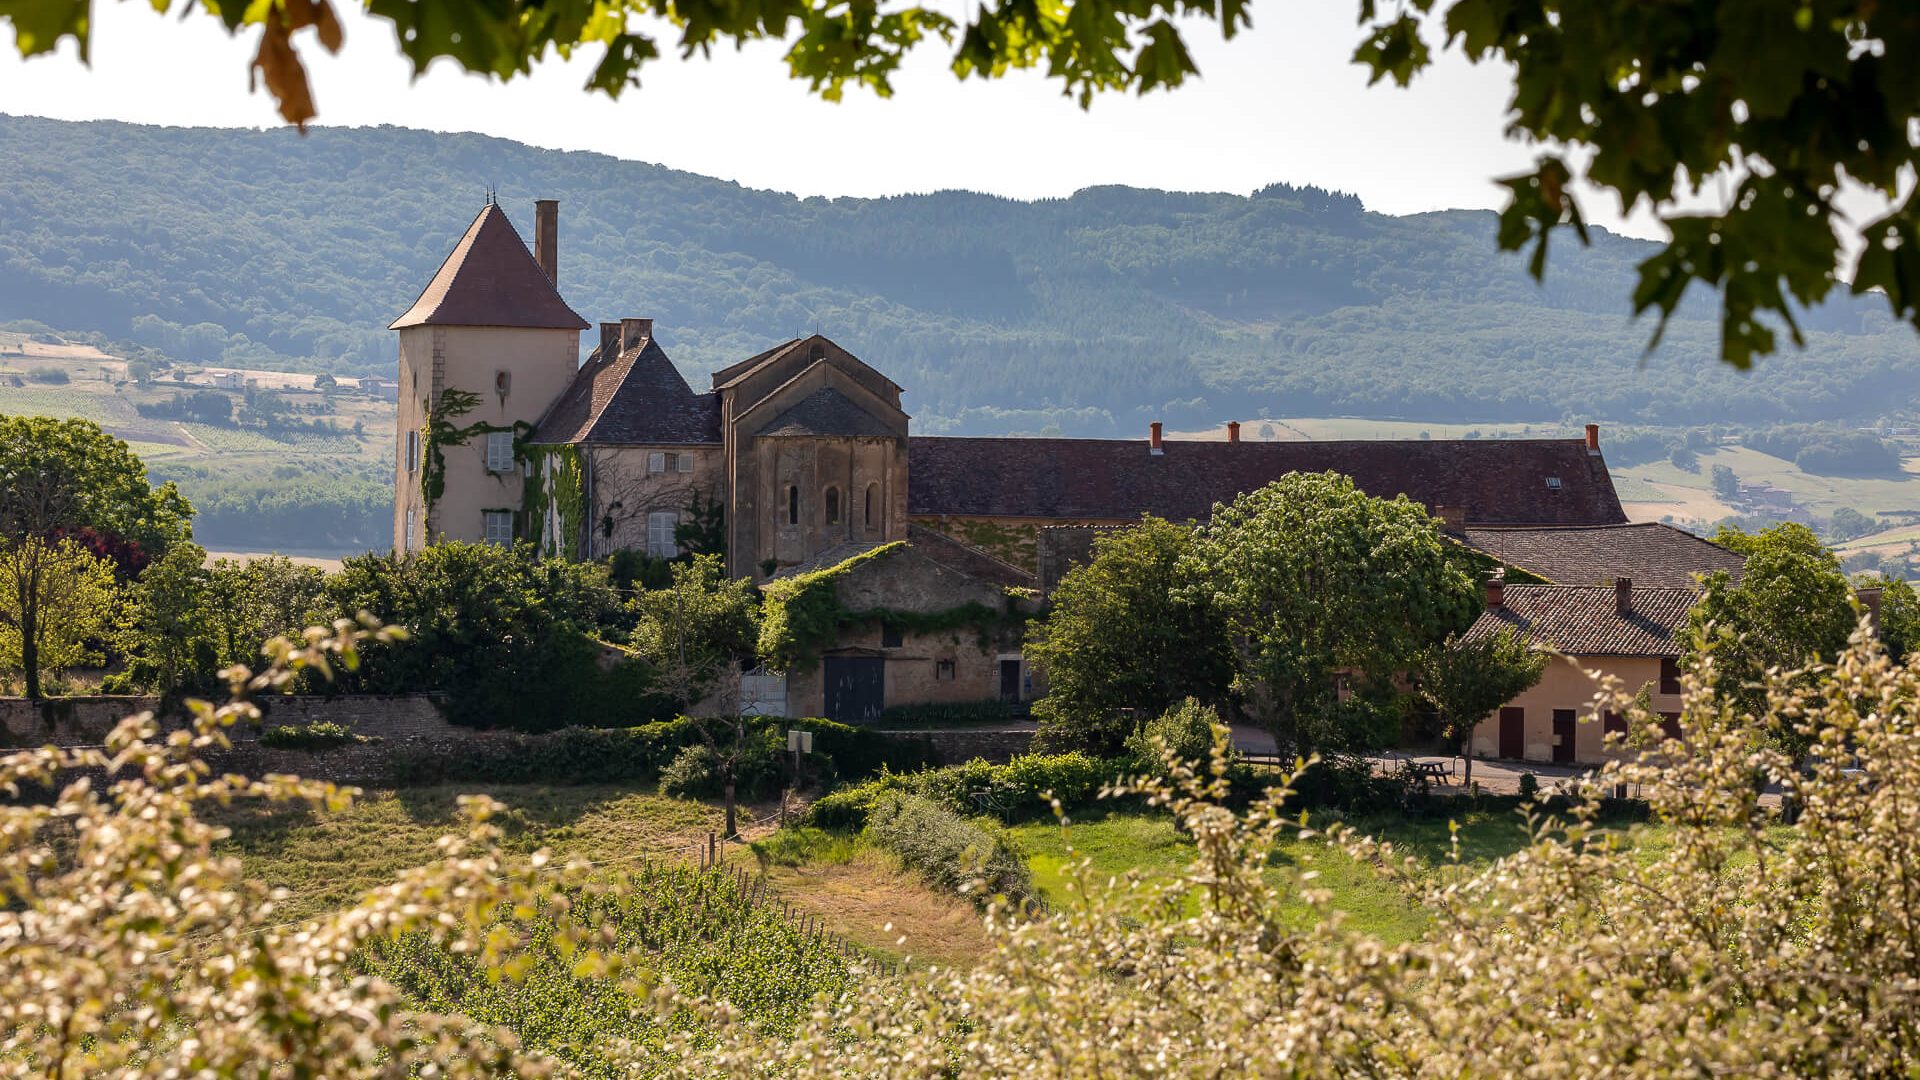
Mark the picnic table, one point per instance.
(1432, 770)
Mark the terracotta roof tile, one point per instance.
(491, 279)
(1651, 554)
(1497, 481)
(1583, 620)
(636, 399)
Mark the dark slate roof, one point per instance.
(491, 279)
(1583, 620)
(1650, 554)
(637, 398)
(967, 559)
(826, 411)
(1498, 481)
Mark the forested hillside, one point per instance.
(1086, 314)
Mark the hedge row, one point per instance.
(949, 851)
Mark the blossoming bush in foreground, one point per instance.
(1729, 946)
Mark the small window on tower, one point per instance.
(499, 451)
(793, 505)
(833, 506)
(873, 521)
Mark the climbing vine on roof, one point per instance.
(802, 615)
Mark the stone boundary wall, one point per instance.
(85, 721)
(955, 746)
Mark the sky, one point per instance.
(1281, 102)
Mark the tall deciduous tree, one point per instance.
(1465, 679)
(1326, 596)
(1125, 634)
(67, 478)
(168, 644)
(1792, 607)
(58, 604)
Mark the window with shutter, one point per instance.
(499, 451)
(660, 528)
(683, 462)
(656, 462)
(413, 451)
(498, 526)
(407, 542)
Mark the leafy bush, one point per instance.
(1075, 779)
(52, 376)
(1186, 730)
(1529, 785)
(951, 853)
(320, 735)
(694, 773)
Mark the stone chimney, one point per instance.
(1154, 445)
(546, 237)
(1870, 600)
(1233, 431)
(1593, 438)
(1497, 590)
(609, 340)
(1453, 519)
(1623, 595)
(634, 331)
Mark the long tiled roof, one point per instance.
(491, 279)
(1497, 481)
(826, 411)
(1650, 553)
(636, 398)
(1584, 620)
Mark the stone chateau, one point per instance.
(801, 458)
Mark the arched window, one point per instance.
(873, 497)
(833, 506)
(793, 505)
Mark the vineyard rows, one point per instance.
(706, 931)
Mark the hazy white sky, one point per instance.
(1281, 103)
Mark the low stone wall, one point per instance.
(85, 721)
(954, 746)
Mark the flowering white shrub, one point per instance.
(1724, 945)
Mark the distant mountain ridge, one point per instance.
(1085, 315)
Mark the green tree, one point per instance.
(699, 629)
(1466, 678)
(250, 601)
(1326, 595)
(167, 640)
(58, 604)
(1898, 620)
(1848, 523)
(66, 476)
(61, 478)
(1786, 104)
(1726, 486)
(1791, 608)
(1125, 635)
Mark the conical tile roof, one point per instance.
(491, 279)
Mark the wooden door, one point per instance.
(1010, 688)
(1564, 725)
(856, 688)
(1513, 732)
